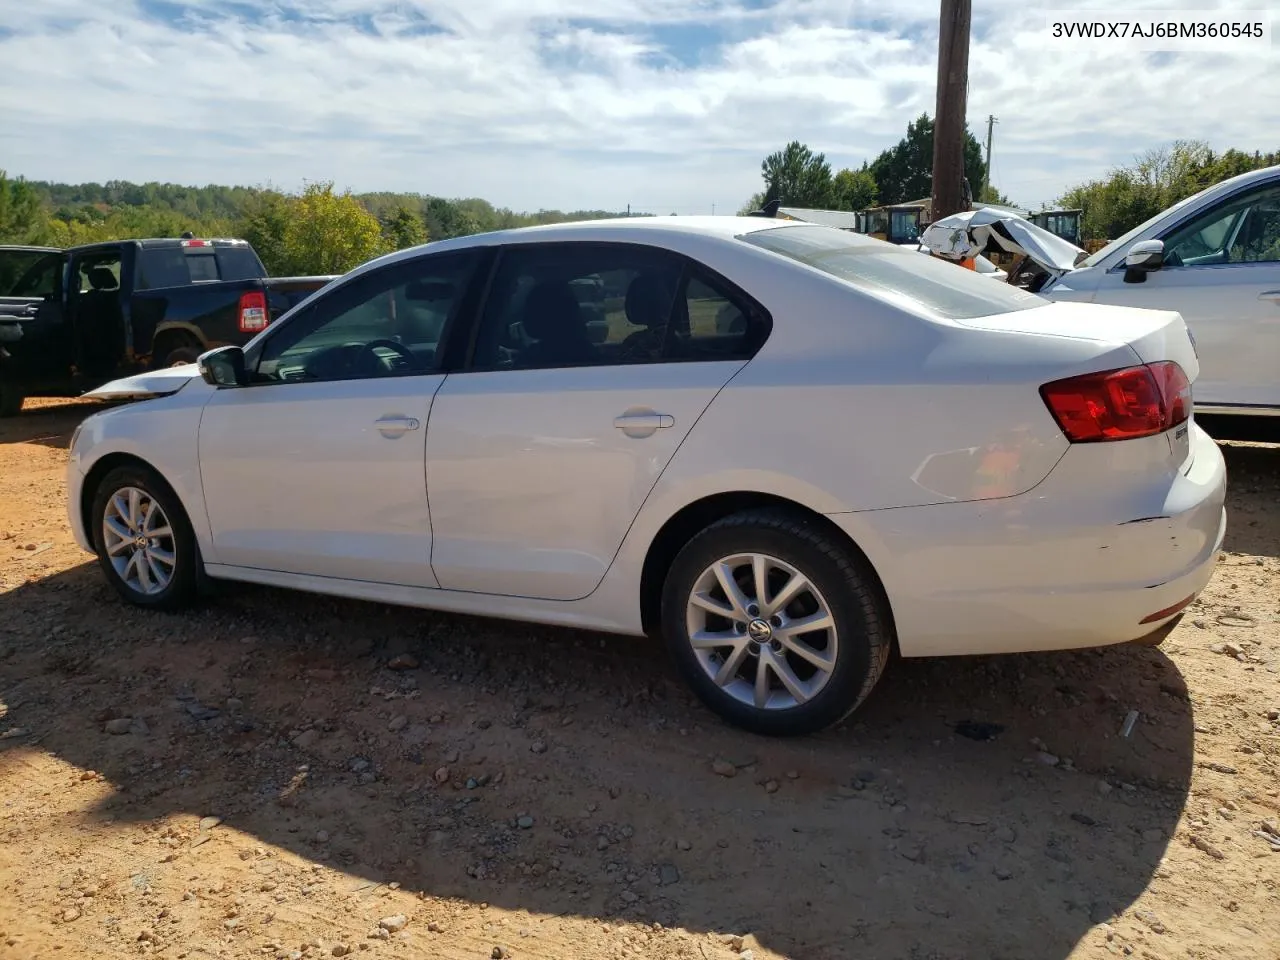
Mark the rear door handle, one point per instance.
(392, 427)
(1270, 295)
(644, 421)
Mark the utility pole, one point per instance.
(986, 170)
(949, 117)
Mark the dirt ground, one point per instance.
(280, 775)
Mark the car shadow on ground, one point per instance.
(975, 807)
(47, 422)
(1253, 499)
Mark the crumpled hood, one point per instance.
(964, 235)
(143, 386)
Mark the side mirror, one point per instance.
(223, 367)
(1143, 257)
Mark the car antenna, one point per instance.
(187, 235)
(770, 209)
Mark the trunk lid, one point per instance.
(1152, 334)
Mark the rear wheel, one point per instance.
(774, 623)
(174, 352)
(144, 541)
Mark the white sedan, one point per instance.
(884, 453)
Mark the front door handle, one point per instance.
(642, 422)
(1270, 295)
(392, 427)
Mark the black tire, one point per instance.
(863, 626)
(10, 400)
(181, 588)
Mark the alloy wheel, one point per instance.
(762, 631)
(139, 541)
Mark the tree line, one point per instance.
(316, 230)
(1156, 180)
(1128, 194)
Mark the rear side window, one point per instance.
(942, 288)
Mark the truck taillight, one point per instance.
(1122, 404)
(253, 311)
(196, 243)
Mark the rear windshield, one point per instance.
(942, 288)
(179, 266)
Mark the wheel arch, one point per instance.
(103, 466)
(171, 336)
(696, 516)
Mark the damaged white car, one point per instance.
(1214, 257)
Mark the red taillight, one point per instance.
(253, 311)
(1120, 404)
(196, 243)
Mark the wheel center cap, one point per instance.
(759, 630)
(140, 542)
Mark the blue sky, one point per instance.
(668, 105)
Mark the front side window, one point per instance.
(577, 304)
(1245, 229)
(30, 274)
(896, 272)
(390, 322)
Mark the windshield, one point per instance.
(943, 288)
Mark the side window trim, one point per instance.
(758, 317)
(759, 320)
(354, 292)
(468, 364)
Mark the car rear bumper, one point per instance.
(1102, 552)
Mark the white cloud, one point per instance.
(576, 103)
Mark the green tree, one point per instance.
(797, 176)
(402, 229)
(329, 232)
(265, 224)
(905, 171)
(853, 189)
(992, 195)
(22, 215)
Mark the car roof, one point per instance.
(652, 230)
(150, 243)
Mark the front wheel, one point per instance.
(144, 541)
(776, 625)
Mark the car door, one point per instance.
(316, 467)
(1222, 273)
(541, 453)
